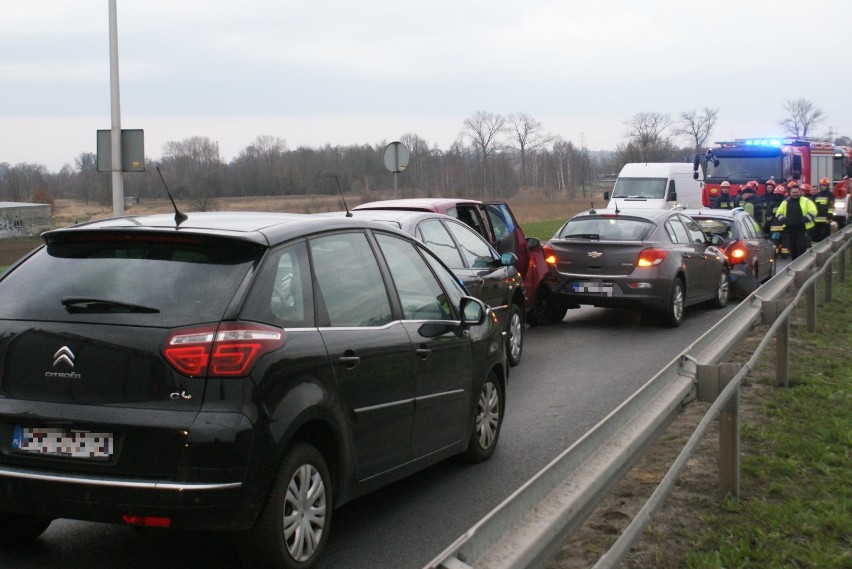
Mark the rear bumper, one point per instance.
(648, 292)
(108, 500)
(210, 484)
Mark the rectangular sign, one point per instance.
(132, 150)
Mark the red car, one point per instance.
(496, 223)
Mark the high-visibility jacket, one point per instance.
(789, 217)
(824, 201)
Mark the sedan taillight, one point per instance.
(736, 252)
(549, 255)
(651, 257)
(229, 350)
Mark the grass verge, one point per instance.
(796, 480)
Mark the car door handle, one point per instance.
(423, 353)
(349, 361)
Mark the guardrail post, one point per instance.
(800, 278)
(770, 311)
(712, 379)
(782, 354)
(827, 277)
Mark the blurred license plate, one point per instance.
(63, 442)
(593, 287)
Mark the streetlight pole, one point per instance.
(117, 179)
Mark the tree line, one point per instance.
(494, 156)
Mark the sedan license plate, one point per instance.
(592, 287)
(54, 441)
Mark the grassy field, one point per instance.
(796, 491)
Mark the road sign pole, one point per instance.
(117, 179)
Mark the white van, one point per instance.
(656, 185)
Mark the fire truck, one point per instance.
(781, 159)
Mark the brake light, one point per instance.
(651, 257)
(737, 252)
(231, 350)
(146, 521)
(549, 255)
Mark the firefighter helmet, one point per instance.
(726, 184)
(792, 184)
(753, 185)
(806, 189)
(824, 182)
(770, 182)
(779, 189)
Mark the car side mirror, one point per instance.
(508, 259)
(606, 196)
(533, 242)
(673, 197)
(472, 311)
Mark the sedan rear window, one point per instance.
(606, 229)
(717, 227)
(118, 280)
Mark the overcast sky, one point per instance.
(343, 72)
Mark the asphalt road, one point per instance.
(571, 376)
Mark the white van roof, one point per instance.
(654, 169)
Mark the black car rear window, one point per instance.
(140, 281)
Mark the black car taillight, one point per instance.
(228, 350)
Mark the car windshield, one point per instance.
(652, 188)
(745, 167)
(138, 281)
(606, 229)
(722, 227)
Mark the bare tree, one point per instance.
(647, 133)
(802, 115)
(697, 127)
(527, 137)
(483, 129)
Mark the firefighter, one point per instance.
(797, 214)
(824, 200)
(751, 202)
(772, 229)
(806, 190)
(724, 200)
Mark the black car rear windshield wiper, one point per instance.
(87, 304)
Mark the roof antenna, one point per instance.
(617, 211)
(346, 207)
(179, 217)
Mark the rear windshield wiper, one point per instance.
(86, 304)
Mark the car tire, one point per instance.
(723, 290)
(488, 418)
(548, 308)
(293, 528)
(21, 529)
(676, 305)
(515, 335)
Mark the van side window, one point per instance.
(672, 193)
(357, 295)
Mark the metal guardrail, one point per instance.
(530, 526)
